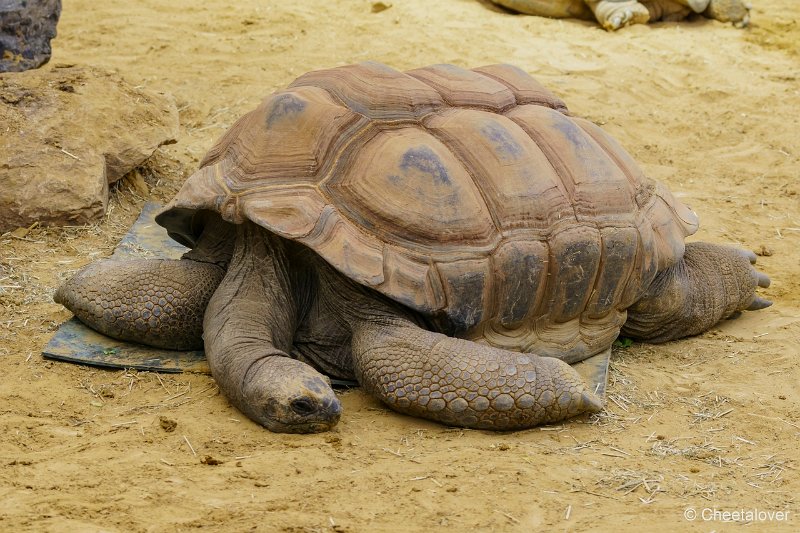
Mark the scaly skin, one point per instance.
(453, 381)
(614, 14)
(460, 383)
(711, 283)
(158, 302)
(667, 11)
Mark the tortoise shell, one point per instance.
(471, 196)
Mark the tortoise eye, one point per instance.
(302, 406)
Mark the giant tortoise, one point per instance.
(614, 14)
(452, 239)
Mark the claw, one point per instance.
(749, 255)
(759, 303)
(763, 280)
(698, 6)
(591, 402)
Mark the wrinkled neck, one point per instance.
(216, 241)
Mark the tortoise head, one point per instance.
(288, 396)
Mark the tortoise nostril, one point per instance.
(303, 406)
(333, 406)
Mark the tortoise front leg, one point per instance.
(710, 283)
(248, 331)
(461, 383)
(614, 14)
(453, 381)
(157, 302)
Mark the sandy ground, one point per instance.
(704, 423)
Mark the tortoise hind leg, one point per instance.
(157, 302)
(735, 11)
(711, 283)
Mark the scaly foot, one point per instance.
(613, 14)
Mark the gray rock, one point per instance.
(67, 134)
(26, 27)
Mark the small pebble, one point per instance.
(763, 251)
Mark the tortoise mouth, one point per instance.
(317, 426)
(304, 415)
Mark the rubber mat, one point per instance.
(76, 343)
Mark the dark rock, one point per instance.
(26, 27)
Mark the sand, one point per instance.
(708, 422)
